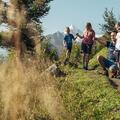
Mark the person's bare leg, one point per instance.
(100, 61)
(87, 61)
(84, 56)
(67, 56)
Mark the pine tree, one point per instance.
(110, 20)
(23, 17)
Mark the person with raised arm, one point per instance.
(88, 39)
(67, 42)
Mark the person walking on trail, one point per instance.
(109, 63)
(67, 42)
(88, 39)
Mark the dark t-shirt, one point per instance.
(68, 39)
(111, 49)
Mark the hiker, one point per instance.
(109, 63)
(88, 39)
(117, 26)
(67, 42)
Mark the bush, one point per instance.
(49, 50)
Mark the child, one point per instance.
(88, 38)
(67, 42)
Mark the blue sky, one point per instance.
(78, 12)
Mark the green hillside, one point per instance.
(88, 95)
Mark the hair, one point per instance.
(66, 29)
(114, 31)
(88, 25)
(118, 23)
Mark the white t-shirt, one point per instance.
(118, 41)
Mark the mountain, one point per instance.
(74, 29)
(57, 38)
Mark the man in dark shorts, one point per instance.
(109, 63)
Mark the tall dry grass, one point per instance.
(26, 94)
(26, 91)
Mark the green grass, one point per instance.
(88, 95)
(80, 95)
(102, 52)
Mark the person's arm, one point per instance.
(64, 42)
(78, 35)
(74, 38)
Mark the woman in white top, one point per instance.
(117, 26)
(117, 46)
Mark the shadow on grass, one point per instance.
(71, 64)
(94, 67)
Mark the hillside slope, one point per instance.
(88, 95)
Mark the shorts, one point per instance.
(69, 48)
(86, 48)
(108, 64)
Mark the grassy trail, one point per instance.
(89, 96)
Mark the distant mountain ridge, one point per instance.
(57, 38)
(74, 30)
